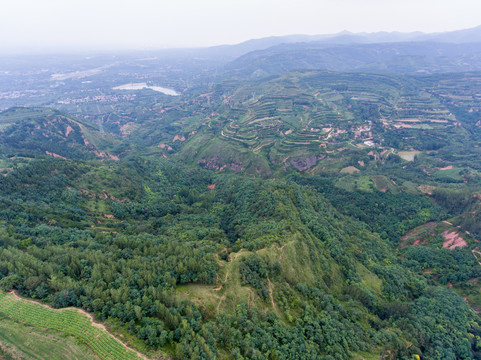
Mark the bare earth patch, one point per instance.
(426, 189)
(271, 295)
(349, 170)
(381, 183)
(55, 155)
(416, 233)
(453, 240)
(164, 146)
(403, 126)
(69, 130)
(409, 120)
(408, 155)
(128, 128)
(178, 137)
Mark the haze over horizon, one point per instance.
(28, 26)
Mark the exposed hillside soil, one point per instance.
(68, 131)
(349, 170)
(408, 155)
(302, 164)
(381, 183)
(422, 235)
(426, 189)
(55, 155)
(453, 240)
(271, 295)
(417, 232)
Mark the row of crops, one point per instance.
(68, 321)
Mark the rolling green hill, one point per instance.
(400, 57)
(49, 132)
(273, 210)
(194, 262)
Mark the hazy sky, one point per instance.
(36, 25)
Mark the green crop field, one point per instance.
(19, 340)
(69, 322)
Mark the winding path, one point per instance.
(271, 295)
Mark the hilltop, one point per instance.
(50, 132)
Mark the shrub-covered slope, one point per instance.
(206, 265)
(35, 131)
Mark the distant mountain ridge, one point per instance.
(455, 37)
(230, 52)
(345, 37)
(397, 57)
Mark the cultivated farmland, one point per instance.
(68, 321)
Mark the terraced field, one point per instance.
(310, 113)
(68, 321)
(22, 341)
(306, 119)
(320, 108)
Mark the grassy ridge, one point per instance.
(68, 321)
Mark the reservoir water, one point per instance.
(140, 86)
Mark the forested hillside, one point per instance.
(195, 262)
(45, 131)
(303, 201)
